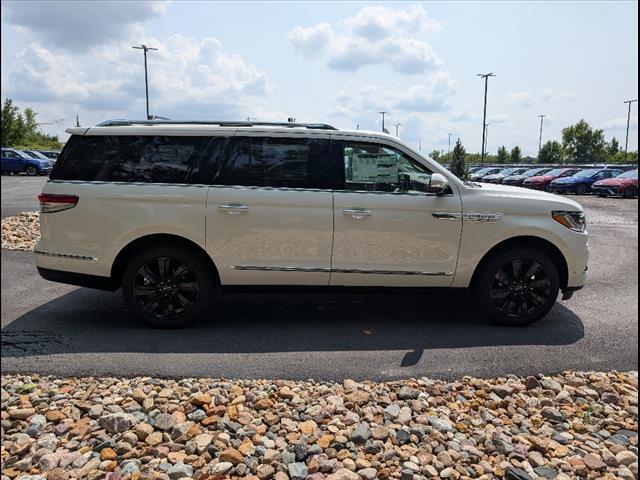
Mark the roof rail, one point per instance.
(125, 122)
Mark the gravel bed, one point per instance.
(574, 425)
(21, 232)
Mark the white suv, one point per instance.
(174, 212)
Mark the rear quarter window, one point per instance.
(138, 158)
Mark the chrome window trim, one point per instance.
(336, 270)
(66, 255)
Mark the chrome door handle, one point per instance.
(233, 209)
(357, 213)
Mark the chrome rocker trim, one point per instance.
(337, 270)
(66, 255)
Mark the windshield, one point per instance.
(483, 171)
(556, 172)
(34, 154)
(586, 173)
(631, 174)
(535, 171)
(21, 154)
(507, 171)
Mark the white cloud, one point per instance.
(377, 22)
(430, 96)
(374, 36)
(188, 78)
(79, 26)
(312, 40)
(620, 123)
(564, 95)
(521, 99)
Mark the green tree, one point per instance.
(21, 130)
(551, 152)
(516, 154)
(458, 165)
(632, 157)
(503, 155)
(435, 155)
(613, 147)
(583, 144)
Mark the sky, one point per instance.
(331, 62)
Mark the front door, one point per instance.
(269, 219)
(389, 230)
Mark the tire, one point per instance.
(630, 192)
(31, 171)
(581, 189)
(169, 287)
(508, 295)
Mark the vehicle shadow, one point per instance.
(89, 321)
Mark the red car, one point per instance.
(625, 185)
(541, 182)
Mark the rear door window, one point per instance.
(274, 162)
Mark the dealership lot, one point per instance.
(65, 330)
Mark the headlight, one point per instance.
(572, 220)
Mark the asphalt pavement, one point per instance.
(64, 330)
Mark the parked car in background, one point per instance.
(625, 185)
(483, 172)
(581, 182)
(516, 180)
(37, 154)
(474, 169)
(541, 182)
(499, 177)
(51, 154)
(17, 161)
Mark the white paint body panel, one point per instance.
(302, 230)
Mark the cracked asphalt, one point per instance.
(64, 330)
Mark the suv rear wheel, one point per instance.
(517, 287)
(168, 287)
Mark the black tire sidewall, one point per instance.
(199, 265)
(31, 171)
(630, 192)
(484, 280)
(581, 189)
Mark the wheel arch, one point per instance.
(527, 241)
(156, 239)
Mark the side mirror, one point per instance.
(438, 184)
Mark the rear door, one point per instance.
(389, 230)
(269, 218)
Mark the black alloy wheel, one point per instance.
(166, 288)
(520, 288)
(31, 171)
(169, 287)
(517, 287)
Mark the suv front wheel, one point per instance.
(517, 287)
(168, 287)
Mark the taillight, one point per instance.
(50, 202)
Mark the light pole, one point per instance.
(146, 81)
(397, 125)
(383, 114)
(540, 140)
(449, 148)
(484, 116)
(626, 142)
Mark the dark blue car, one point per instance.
(580, 183)
(16, 161)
